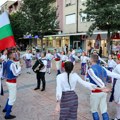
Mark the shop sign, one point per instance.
(115, 36)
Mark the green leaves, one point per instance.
(106, 14)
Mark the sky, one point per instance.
(3, 1)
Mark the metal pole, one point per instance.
(77, 7)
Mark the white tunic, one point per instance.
(84, 59)
(112, 63)
(4, 57)
(49, 56)
(64, 58)
(117, 85)
(28, 56)
(45, 65)
(63, 85)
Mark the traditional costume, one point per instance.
(64, 58)
(66, 95)
(84, 67)
(98, 76)
(57, 58)
(28, 61)
(17, 59)
(10, 73)
(41, 64)
(111, 65)
(117, 93)
(49, 58)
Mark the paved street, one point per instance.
(37, 105)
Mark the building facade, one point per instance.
(5, 6)
(15, 7)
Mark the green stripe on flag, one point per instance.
(5, 31)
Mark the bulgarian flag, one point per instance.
(6, 35)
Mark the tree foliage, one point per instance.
(18, 23)
(105, 13)
(40, 14)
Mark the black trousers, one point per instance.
(41, 77)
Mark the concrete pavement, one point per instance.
(37, 105)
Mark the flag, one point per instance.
(6, 35)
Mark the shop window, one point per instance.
(71, 19)
(69, 2)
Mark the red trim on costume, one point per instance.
(11, 81)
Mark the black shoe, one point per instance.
(10, 117)
(4, 111)
(43, 90)
(36, 88)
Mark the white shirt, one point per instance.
(4, 57)
(28, 56)
(63, 85)
(45, 65)
(112, 63)
(49, 56)
(64, 58)
(84, 59)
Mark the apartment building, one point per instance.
(5, 6)
(15, 7)
(75, 27)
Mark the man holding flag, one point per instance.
(10, 72)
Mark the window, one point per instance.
(69, 2)
(71, 19)
(83, 17)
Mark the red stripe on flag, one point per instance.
(7, 43)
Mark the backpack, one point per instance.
(39, 65)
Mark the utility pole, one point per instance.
(77, 7)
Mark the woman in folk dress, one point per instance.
(84, 59)
(67, 99)
(111, 65)
(28, 60)
(49, 58)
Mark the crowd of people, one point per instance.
(94, 76)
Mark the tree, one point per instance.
(105, 15)
(41, 16)
(19, 25)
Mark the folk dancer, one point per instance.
(4, 55)
(98, 76)
(67, 99)
(41, 73)
(64, 58)
(99, 58)
(84, 67)
(17, 58)
(10, 72)
(72, 57)
(57, 58)
(38, 54)
(28, 60)
(49, 58)
(111, 65)
(117, 91)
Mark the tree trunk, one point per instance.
(108, 42)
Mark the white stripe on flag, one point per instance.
(4, 19)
